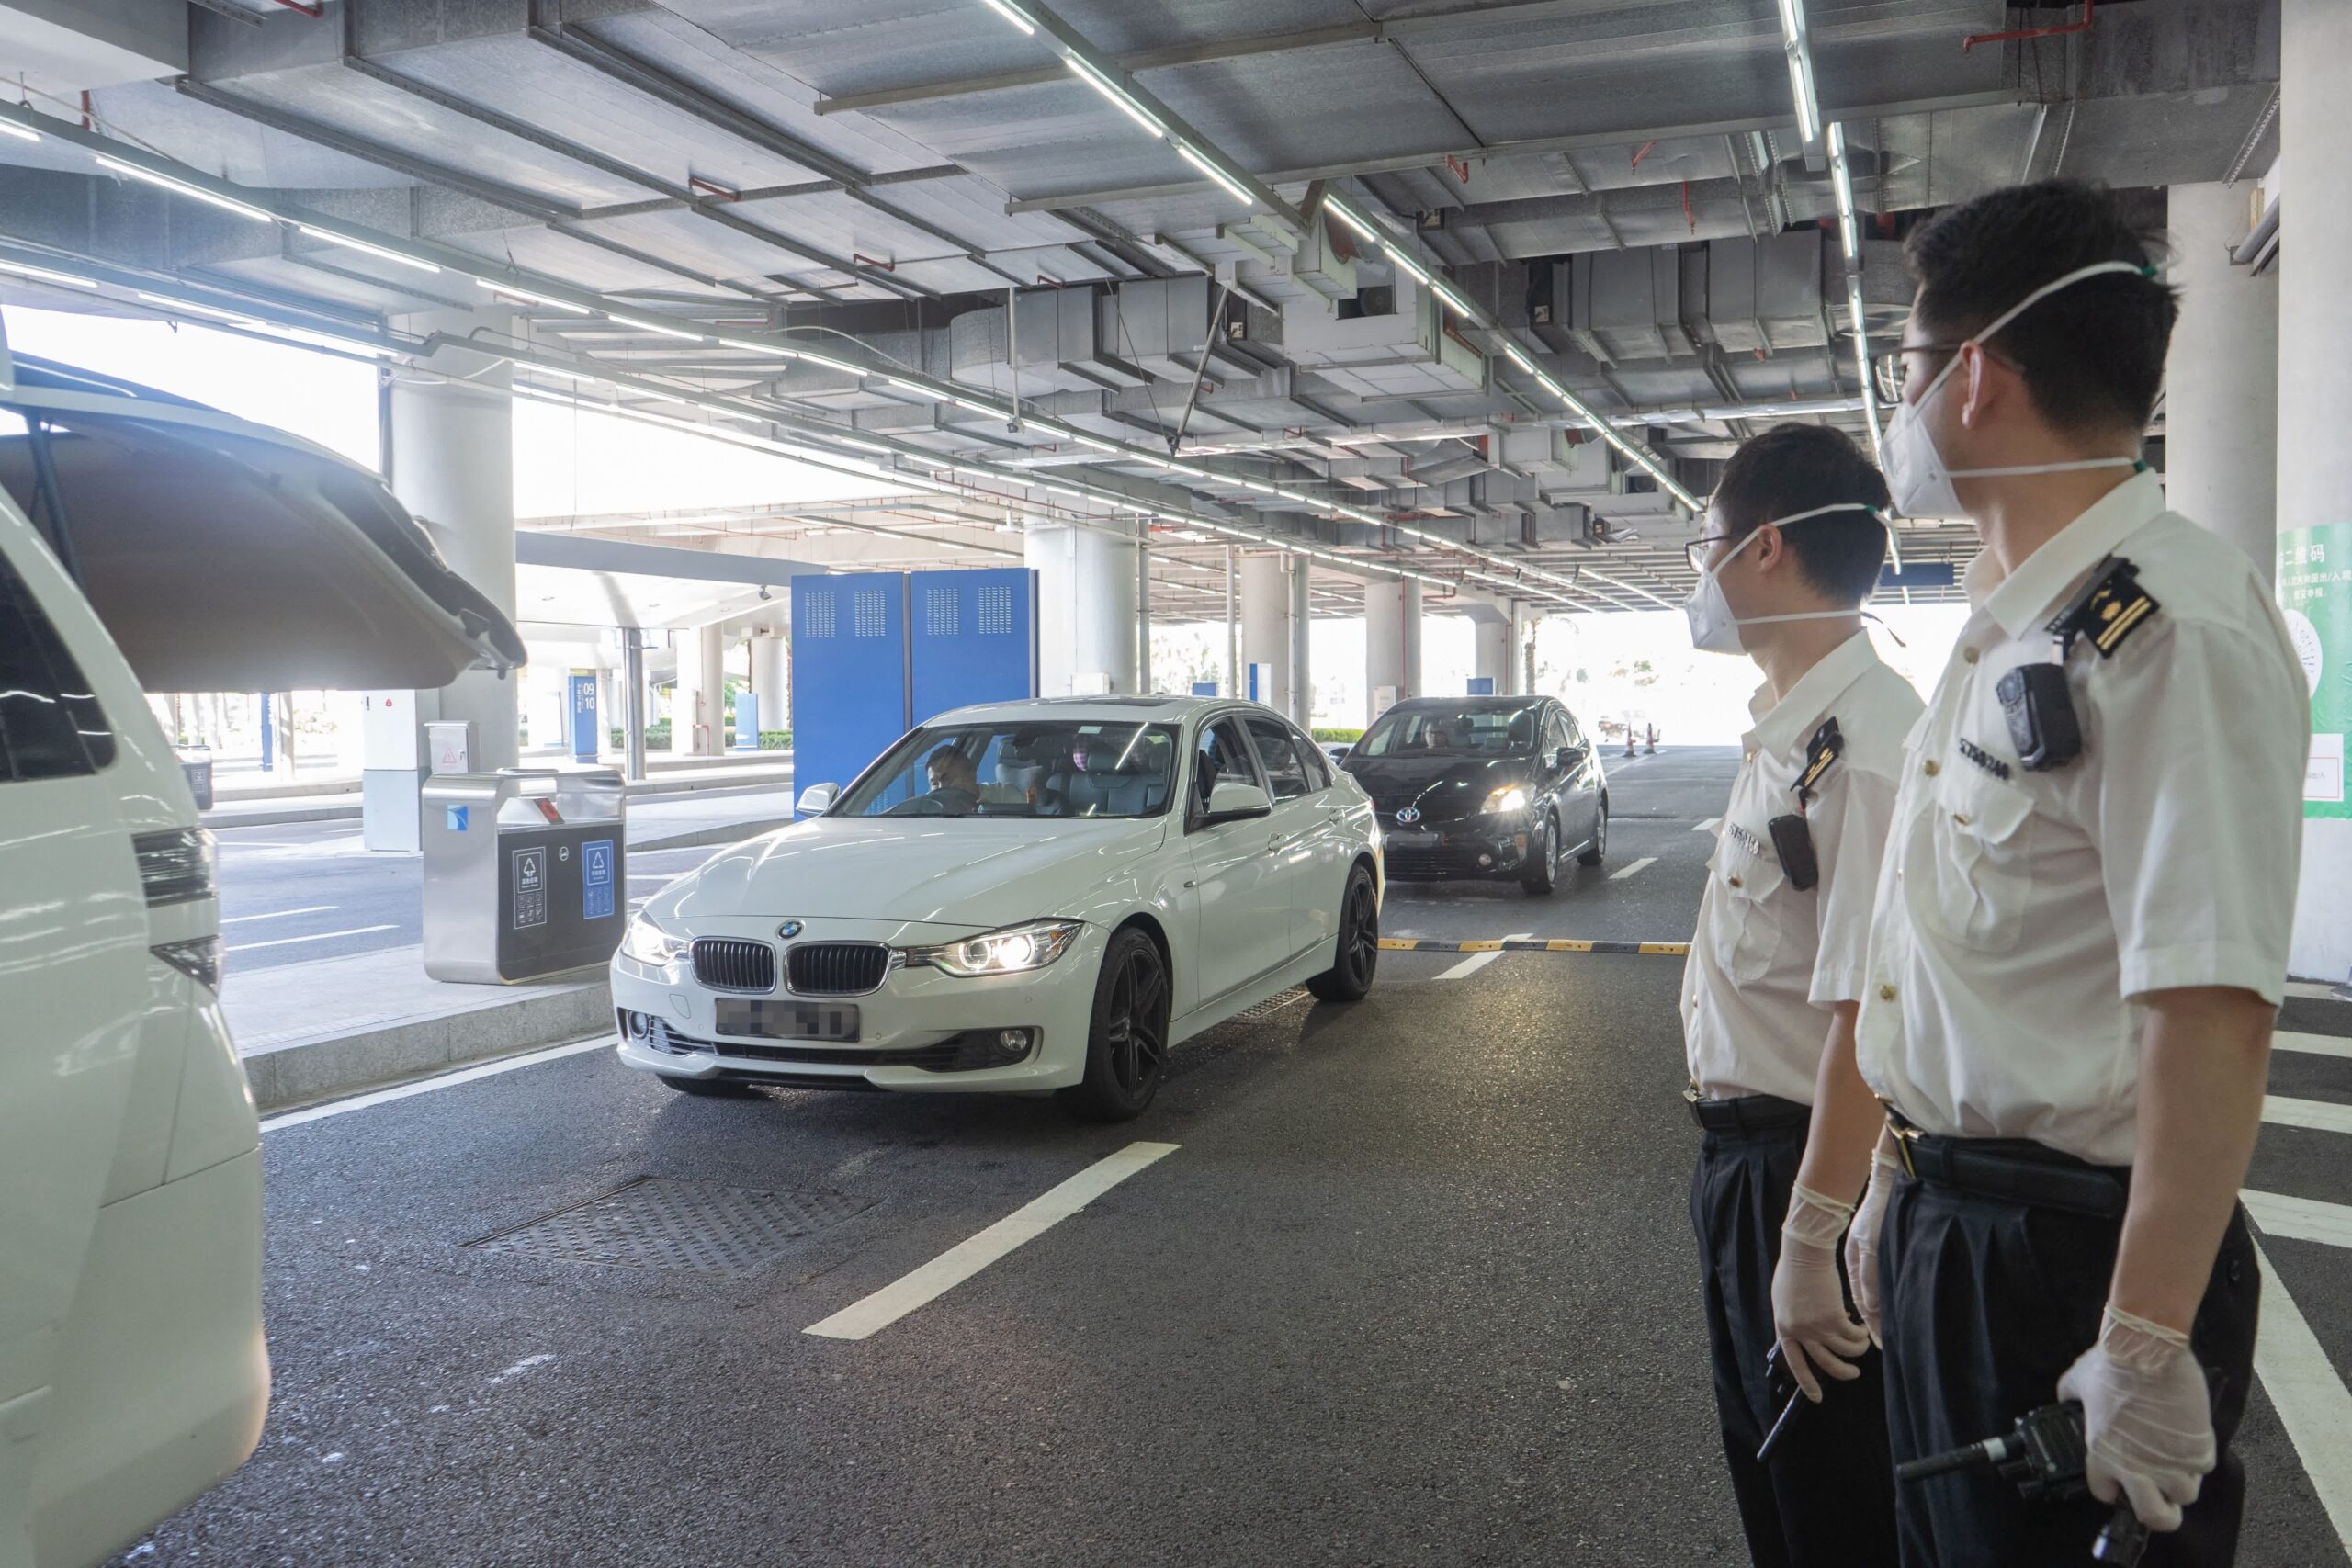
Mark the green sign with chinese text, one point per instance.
(2315, 594)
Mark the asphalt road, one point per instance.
(296, 892)
(1414, 1286)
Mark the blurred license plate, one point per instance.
(835, 1021)
(1399, 839)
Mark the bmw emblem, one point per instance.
(789, 929)
(1408, 816)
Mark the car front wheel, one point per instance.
(1543, 857)
(1126, 1042)
(1599, 845)
(1356, 956)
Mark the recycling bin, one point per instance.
(525, 872)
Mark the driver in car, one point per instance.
(955, 782)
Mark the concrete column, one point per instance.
(771, 677)
(1302, 674)
(1144, 680)
(1523, 622)
(1492, 653)
(2222, 381)
(1265, 626)
(697, 726)
(1086, 609)
(1410, 638)
(1384, 645)
(449, 457)
(2315, 387)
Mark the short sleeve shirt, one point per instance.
(1768, 960)
(2019, 915)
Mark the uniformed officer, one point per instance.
(2081, 931)
(1790, 548)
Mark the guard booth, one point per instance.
(525, 872)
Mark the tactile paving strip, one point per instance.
(698, 1227)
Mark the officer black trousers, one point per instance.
(1825, 1500)
(1985, 1303)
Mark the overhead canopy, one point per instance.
(224, 556)
(568, 580)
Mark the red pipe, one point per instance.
(313, 9)
(1972, 41)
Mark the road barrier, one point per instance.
(1517, 945)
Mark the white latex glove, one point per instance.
(2147, 1417)
(1809, 1317)
(1861, 1240)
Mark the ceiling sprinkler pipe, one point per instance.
(2080, 25)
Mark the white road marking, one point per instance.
(1709, 825)
(2310, 1397)
(315, 936)
(2314, 1044)
(968, 1257)
(1478, 960)
(281, 914)
(2300, 1219)
(1622, 876)
(2320, 1115)
(426, 1086)
(2312, 990)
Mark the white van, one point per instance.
(149, 543)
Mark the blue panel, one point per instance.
(1205, 688)
(1482, 686)
(849, 673)
(747, 722)
(973, 637)
(586, 740)
(1916, 574)
(596, 879)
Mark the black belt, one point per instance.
(1748, 1115)
(2012, 1170)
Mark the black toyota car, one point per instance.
(1482, 787)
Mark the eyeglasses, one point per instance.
(1695, 552)
(1890, 368)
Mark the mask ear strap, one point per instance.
(1887, 629)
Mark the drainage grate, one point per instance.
(1270, 1005)
(698, 1227)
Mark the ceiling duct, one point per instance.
(1055, 346)
(1385, 342)
(1623, 305)
(1764, 296)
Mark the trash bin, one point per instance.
(525, 873)
(196, 763)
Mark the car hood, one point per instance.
(1445, 789)
(971, 873)
(224, 556)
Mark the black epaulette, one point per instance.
(1825, 748)
(2111, 608)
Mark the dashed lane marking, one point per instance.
(1478, 960)
(2313, 1044)
(2320, 1115)
(315, 936)
(864, 1318)
(1708, 826)
(2310, 1397)
(281, 913)
(1628, 871)
(1554, 944)
(2300, 1219)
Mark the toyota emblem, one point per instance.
(1408, 816)
(789, 929)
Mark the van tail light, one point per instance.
(175, 867)
(199, 958)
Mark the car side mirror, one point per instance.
(1230, 800)
(817, 798)
(1339, 753)
(1569, 757)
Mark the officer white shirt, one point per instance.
(2020, 913)
(1768, 960)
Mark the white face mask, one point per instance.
(1916, 473)
(1714, 628)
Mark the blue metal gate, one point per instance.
(972, 637)
(849, 673)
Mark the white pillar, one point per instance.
(1265, 626)
(698, 729)
(2314, 388)
(1410, 638)
(771, 677)
(2222, 381)
(1384, 645)
(1086, 609)
(449, 454)
(1523, 622)
(1492, 653)
(1302, 612)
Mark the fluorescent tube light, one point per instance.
(1224, 181)
(382, 252)
(1116, 94)
(644, 325)
(1012, 14)
(182, 188)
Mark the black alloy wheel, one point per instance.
(1542, 875)
(1591, 855)
(1126, 1047)
(1356, 956)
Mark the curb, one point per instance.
(305, 1071)
(727, 833)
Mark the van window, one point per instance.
(51, 726)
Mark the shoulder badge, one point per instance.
(2108, 610)
(1825, 748)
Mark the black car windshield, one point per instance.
(1022, 767)
(1452, 732)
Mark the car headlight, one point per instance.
(1511, 797)
(1012, 951)
(649, 943)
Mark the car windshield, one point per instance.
(1453, 732)
(1022, 767)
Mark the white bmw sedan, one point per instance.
(1026, 897)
